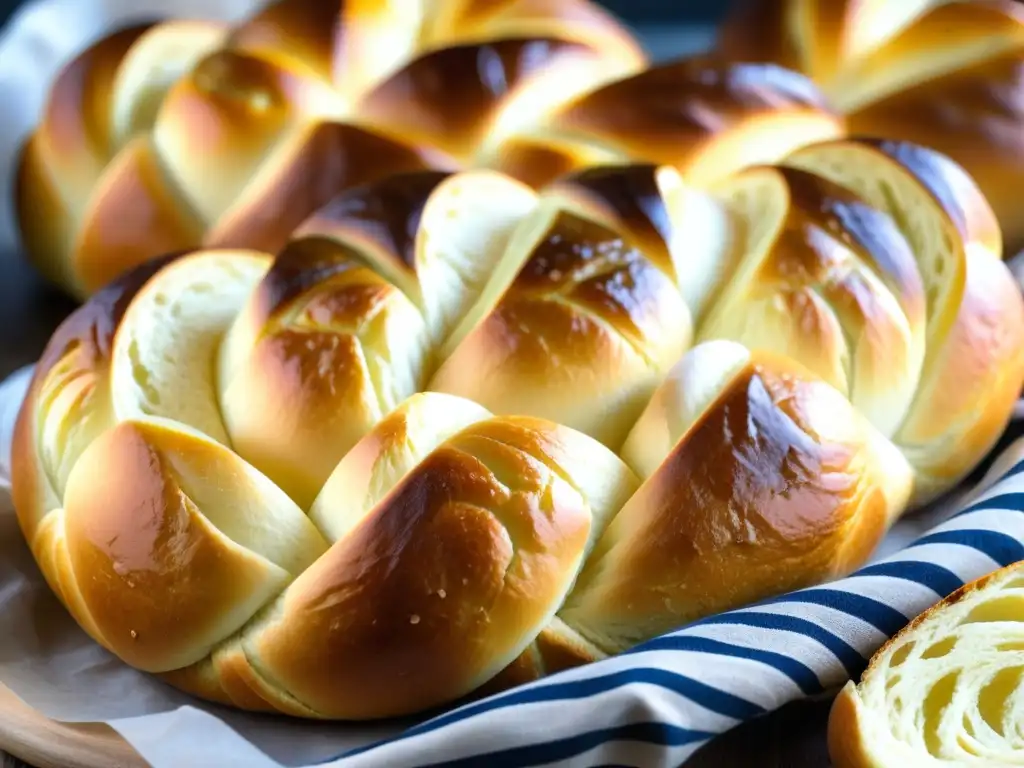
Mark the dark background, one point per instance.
(645, 12)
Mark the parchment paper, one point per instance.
(44, 657)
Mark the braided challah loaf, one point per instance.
(184, 134)
(947, 74)
(459, 434)
(946, 691)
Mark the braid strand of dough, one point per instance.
(946, 74)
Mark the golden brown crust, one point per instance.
(144, 543)
(973, 336)
(382, 219)
(254, 127)
(324, 162)
(46, 221)
(437, 237)
(315, 335)
(59, 163)
(627, 199)
(919, 49)
(691, 114)
(461, 579)
(541, 160)
(967, 117)
(136, 215)
(844, 746)
(77, 120)
(975, 381)
(770, 482)
(229, 113)
(301, 34)
(760, 30)
(832, 283)
(953, 188)
(582, 335)
(448, 98)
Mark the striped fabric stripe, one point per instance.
(666, 698)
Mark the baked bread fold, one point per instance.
(944, 74)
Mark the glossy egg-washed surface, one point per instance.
(186, 134)
(458, 434)
(947, 75)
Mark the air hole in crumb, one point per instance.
(994, 697)
(901, 653)
(968, 726)
(968, 746)
(940, 649)
(1008, 608)
(934, 706)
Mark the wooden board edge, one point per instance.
(44, 743)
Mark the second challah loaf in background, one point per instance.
(182, 134)
(459, 433)
(947, 74)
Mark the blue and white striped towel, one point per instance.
(658, 704)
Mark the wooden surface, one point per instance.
(46, 744)
(29, 312)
